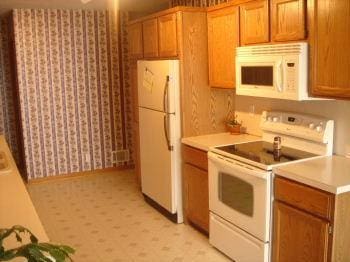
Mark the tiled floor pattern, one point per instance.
(106, 219)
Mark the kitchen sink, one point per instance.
(4, 164)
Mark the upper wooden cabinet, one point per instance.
(223, 38)
(135, 41)
(329, 38)
(167, 35)
(254, 22)
(287, 20)
(150, 38)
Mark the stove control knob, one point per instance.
(311, 125)
(275, 119)
(269, 119)
(319, 129)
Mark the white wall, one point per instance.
(337, 110)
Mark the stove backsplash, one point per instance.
(337, 110)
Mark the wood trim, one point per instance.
(169, 11)
(229, 4)
(79, 174)
(341, 238)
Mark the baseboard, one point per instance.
(79, 174)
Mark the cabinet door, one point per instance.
(135, 41)
(167, 35)
(330, 41)
(287, 20)
(150, 38)
(298, 235)
(197, 196)
(223, 38)
(254, 22)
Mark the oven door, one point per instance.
(259, 76)
(240, 194)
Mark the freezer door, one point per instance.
(157, 159)
(158, 82)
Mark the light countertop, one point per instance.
(331, 174)
(207, 141)
(16, 207)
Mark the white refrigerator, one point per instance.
(160, 133)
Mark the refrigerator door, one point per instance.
(157, 159)
(157, 81)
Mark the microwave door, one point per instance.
(261, 77)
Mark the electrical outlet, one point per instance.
(121, 156)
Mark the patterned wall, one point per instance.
(200, 3)
(8, 119)
(71, 100)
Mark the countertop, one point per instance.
(207, 141)
(16, 207)
(331, 173)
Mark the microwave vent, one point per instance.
(283, 49)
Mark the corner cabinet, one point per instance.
(167, 35)
(254, 22)
(329, 39)
(309, 223)
(223, 38)
(287, 20)
(135, 41)
(196, 189)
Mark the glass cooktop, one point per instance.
(263, 153)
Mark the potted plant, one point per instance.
(233, 125)
(33, 251)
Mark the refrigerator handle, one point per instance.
(166, 132)
(165, 95)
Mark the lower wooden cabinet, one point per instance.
(196, 189)
(197, 196)
(309, 224)
(298, 235)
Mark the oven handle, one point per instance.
(247, 169)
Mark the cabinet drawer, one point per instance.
(303, 197)
(195, 157)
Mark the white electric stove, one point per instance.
(240, 181)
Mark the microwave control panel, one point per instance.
(291, 73)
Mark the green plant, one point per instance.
(233, 121)
(33, 251)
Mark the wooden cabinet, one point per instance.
(299, 235)
(196, 193)
(223, 38)
(167, 35)
(150, 38)
(287, 20)
(309, 223)
(197, 196)
(254, 22)
(135, 41)
(329, 38)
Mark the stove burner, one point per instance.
(263, 152)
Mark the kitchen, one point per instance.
(276, 69)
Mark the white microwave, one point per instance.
(273, 71)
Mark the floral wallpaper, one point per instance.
(199, 3)
(72, 106)
(8, 118)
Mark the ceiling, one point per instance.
(127, 5)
